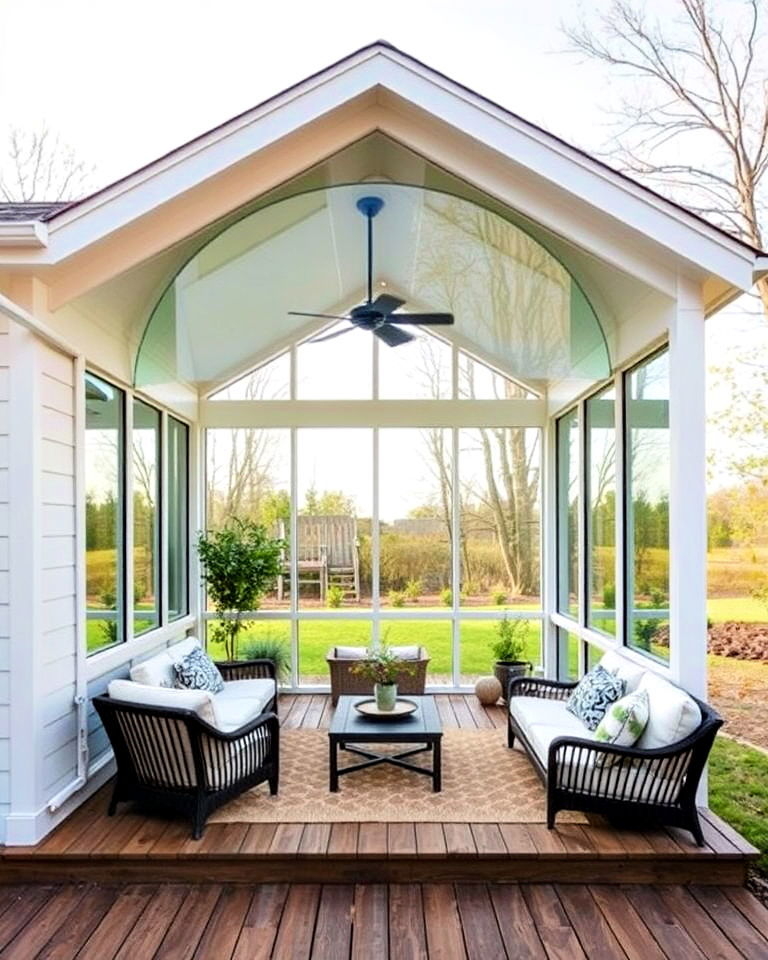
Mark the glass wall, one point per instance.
(104, 513)
(178, 519)
(116, 459)
(568, 500)
(646, 392)
(601, 502)
(146, 517)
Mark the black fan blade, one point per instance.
(392, 336)
(385, 303)
(331, 336)
(423, 318)
(322, 316)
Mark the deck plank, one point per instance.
(55, 914)
(297, 924)
(71, 936)
(699, 924)
(442, 923)
(29, 902)
(482, 936)
(551, 921)
(370, 932)
(488, 840)
(463, 714)
(333, 927)
(479, 715)
(407, 936)
(372, 840)
(719, 909)
(343, 841)
(223, 929)
(517, 839)
(262, 921)
(752, 909)
(184, 934)
(635, 937)
(430, 840)
(314, 840)
(593, 930)
(401, 840)
(459, 839)
(664, 924)
(445, 710)
(148, 932)
(516, 922)
(108, 936)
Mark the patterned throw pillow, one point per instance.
(595, 692)
(196, 671)
(625, 720)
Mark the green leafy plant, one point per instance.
(413, 590)
(609, 596)
(499, 597)
(335, 596)
(382, 666)
(446, 597)
(240, 562)
(397, 598)
(645, 631)
(272, 647)
(510, 641)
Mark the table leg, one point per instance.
(437, 772)
(333, 766)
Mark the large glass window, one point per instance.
(178, 518)
(601, 500)
(568, 514)
(104, 513)
(146, 517)
(499, 475)
(646, 392)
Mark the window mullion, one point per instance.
(127, 552)
(455, 560)
(375, 544)
(293, 549)
(163, 526)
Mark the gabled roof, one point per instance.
(55, 210)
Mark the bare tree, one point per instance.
(37, 166)
(695, 123)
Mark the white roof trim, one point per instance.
(23, 233)
(381, 66)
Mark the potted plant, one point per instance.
(240, 563)
(508, 647)
(382, 667)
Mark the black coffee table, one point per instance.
(349, 727)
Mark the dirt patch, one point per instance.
(745, 641)
(738, 689)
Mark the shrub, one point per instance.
(413, 589)
(397, 598)
(511, 639)
(272, 647)
(499, 597)
(334, 596)
(609, 596)
(446, 597)
(645, 631)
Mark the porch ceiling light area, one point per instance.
(513, 301)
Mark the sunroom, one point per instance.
(540, 458)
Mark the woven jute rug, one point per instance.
(483, 782)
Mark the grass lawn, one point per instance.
(316, 637)
(746, 609)
(738, 792)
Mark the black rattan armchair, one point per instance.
(171, 758)
(624, 783)
(250, 670)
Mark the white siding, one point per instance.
(58, 575)
(4, 591)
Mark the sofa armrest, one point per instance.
(247, 669)
(539, 687)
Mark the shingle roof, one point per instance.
(30, 211)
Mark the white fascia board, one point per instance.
(23, 233)
(761, 268)
(608, 193)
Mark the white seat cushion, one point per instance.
(406, 653)
(542, 720)
(673, 714)
(350, 653)
(158, 670)
(201, 701)
(233, 713)
(624, 669)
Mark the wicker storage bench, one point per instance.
(345, 682)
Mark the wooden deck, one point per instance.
(376, 922)
(91, 847)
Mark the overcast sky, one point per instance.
(124, 83)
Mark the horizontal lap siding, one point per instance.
(58, 574)
(5, 677)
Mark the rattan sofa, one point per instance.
(631, 785)
(344, 681)
(191, 760)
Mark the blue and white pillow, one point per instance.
(595, 692)
(196, 671)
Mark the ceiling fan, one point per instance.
(377, 315)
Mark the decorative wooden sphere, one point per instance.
(488, 690)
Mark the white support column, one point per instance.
(687, 495)
(549, 558)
